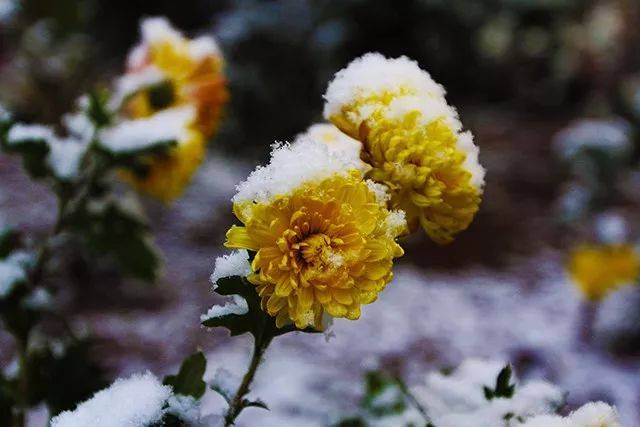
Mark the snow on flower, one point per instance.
(321, 236)
(337, 142)
(598, 269)
(166, 73)
(136, 401)
(412, 139)
(458, 399)
(237, 306)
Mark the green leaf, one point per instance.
(9, 241)
(7, 400)
(503, 387)
(115, 231)
(255, 321)
(189, 380)
(383, 395)
(63, 378)
(97, 109)
(256, 404)
(33, 152)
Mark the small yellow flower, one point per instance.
(413, 141)
(185, 73)
(597, 270)
(325, 247)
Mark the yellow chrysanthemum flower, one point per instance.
(168, 71)
(598, 270)
(412, 139)
(323, 246)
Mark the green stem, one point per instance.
(413, 401)
(238, 402)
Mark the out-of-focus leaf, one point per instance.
(9, 240)
(382, 396)
(33, 152)
(97, 109)
(112, 230)
(63, 376)
(188, 381)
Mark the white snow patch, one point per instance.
(133, 82)
(593, 414)
(136, 401)
(11, 274)
(292, 165)
(612, 136)
(65, 157)
(237, 306)
(611, 228)
(133, 135)
(226, 381)
(234, 264)
(21, 132)
(186, 408)
(338, 142)
(380, 190)
(373, 73)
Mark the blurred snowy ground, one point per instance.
(424, 320)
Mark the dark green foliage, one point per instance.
(503, 387)
(62, 379)
(97, 109)
(377, 386)
(255, 321)
(9, 240)
(120, 234)
(188, 381)
(161, 95)
(33, 153)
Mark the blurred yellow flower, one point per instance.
(412, 139)
(169, 71)
(325, 247)
(597, 270)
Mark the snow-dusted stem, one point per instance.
(412, 399)
(238, 402)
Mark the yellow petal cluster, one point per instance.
(192, 74)
(412, 140)
(597, 270)
(326, 247)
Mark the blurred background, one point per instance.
(551, 91)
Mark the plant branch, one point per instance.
(238, 402)
(412, 400)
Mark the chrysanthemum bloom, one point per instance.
(323, 238)
(412, 139)
(169, 71)
(598, 270)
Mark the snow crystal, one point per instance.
(158, 28)
(471, 162)
(226, 381)
(11, 274)
(380, 190)
(65, 157)
(234, 264)
(133, 135)
(136, 401)
(237, 306)
(373, 73)
(38, 299)
(292, 165)
(396, 222)
(79, 126)
(21, 132)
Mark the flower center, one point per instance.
(316, 251)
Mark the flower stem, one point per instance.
(413, 401)
(238, 402)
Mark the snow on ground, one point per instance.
(430, 320)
